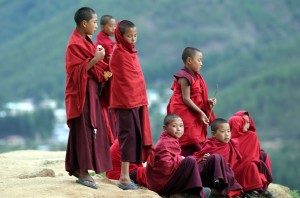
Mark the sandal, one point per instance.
(131, 186)
(87, 182)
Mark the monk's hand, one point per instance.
(107, 75)
(212, 101)
(205, 156)
(99, 53)
(204, 118)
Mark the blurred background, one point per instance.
(250, 48)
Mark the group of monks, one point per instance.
(108, 117)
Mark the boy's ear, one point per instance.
(83, 23)
(165, 128)
(213, 133)
(189, 60)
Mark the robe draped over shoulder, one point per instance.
(195, 129)
(128, 87)
(104, 40)
(79, 52)
(229, 151)
(248, 170)
(263, 155)
(166, 161)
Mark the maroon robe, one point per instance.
(195, 131)
(128, 93)
(230, 153)
(229, 150)
(135, 169)
(104, 40)
(109, 116)
(88, 145)
(246, 171)
(216, 174)
(263, 155)
(170, 174)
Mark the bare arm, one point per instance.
(185, 90)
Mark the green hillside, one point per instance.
(251, 51)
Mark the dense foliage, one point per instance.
(251, 52)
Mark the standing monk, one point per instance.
(190, 101)
(88, 145)
(129, 101)
(108, 24)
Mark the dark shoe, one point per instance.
(268, 194)
(251, 194)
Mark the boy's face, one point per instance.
(223, 134)
(109, 27)
(90, 26)
(247, 125)
(195, 63)
(130, 35)
(175, 128)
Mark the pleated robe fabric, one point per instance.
(88, 144)
(170, 174)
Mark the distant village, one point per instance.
(60, 128)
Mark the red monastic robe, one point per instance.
(246, 171)
(88, 147)
(104, 40)
(263, 155)
(109, 116)
(128, 88)
(167, 159)
(195, 131)
(229, 151)
(116, 162)
(79, 52)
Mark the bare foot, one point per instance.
(84, 175)
(125, 180)
(75, 173)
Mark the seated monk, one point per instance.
(136, 171)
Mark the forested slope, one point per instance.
(251, 52)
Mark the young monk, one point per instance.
(171, 173)
(251, 172)
(213, 160)
(136, 171)
(263, 156)
(190, 101)
(88, 145)
(129, 101)
(108, 24)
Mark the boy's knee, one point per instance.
(189, 160)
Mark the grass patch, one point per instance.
(294, 193)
